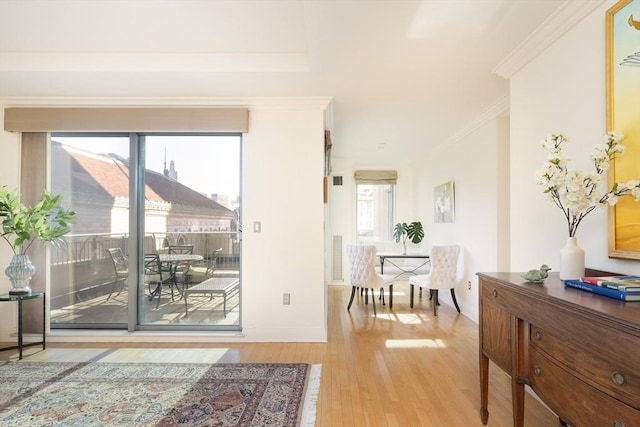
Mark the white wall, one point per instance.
(473, 163)
(283, 169)
(563, 89)
(282, 188)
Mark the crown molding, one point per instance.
(500, 107)
(570, 13)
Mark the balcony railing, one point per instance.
(82, 269)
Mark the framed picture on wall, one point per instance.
(444, 202)
(623, 110)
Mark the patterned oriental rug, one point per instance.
(157, 394)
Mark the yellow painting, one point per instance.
(623, 115)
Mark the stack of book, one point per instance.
(624, 288)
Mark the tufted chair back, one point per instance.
(363, 274)
(444, 263)
(362, 263)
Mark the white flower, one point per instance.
(576, 192)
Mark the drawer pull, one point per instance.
(619, 378)
(617, 423)
(537, 371)
(538, 335)
(494, 293)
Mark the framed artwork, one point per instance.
(444, 202)
(623, 109)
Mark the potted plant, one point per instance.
(46, 221)
(404, 231)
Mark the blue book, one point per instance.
(607, 292)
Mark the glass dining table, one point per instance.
(412, 269)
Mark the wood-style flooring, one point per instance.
(403, 367)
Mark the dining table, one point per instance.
(412, 269)
(174, 260)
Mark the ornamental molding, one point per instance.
(499, 108)
(568, 15)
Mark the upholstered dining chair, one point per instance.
(363, 274)
(444, 263)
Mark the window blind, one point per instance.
(99, 119)
(375, 176)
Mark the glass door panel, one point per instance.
(89, 276)
(191, 223)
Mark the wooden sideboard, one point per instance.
(579, 352)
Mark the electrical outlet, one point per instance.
(286, 299)
(469, 284)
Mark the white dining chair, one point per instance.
(444, 263)
(363, 274)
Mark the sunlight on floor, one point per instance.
(406, 318)
(437, 343)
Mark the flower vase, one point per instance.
(19, 272)
(404, 249)
(571, 260)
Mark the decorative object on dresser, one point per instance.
(22, 225)
(603, 290)
(571, 347)
(537, 276)
(577, 192)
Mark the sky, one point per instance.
(208, 164)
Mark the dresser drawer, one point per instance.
(500, 295)
(618, 374)
(575, 401)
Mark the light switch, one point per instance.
(257, 226)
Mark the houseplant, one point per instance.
(46, 221)
(577, 193)
(403, 231)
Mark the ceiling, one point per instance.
(404, 75)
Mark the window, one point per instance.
(375, 198)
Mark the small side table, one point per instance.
(19, 299)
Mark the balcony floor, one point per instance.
(102, 310)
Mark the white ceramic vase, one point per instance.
(571, 260)
(19, 272)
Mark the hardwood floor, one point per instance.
(404, 367)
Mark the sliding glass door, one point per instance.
(156, 242)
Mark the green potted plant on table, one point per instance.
(404, 231)
(46, 221)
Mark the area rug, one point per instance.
(157, 394)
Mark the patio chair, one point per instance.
(204, 271)
(120, 269)
(156, 278)
(179, 270)
(444, 262)
(364, 275)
